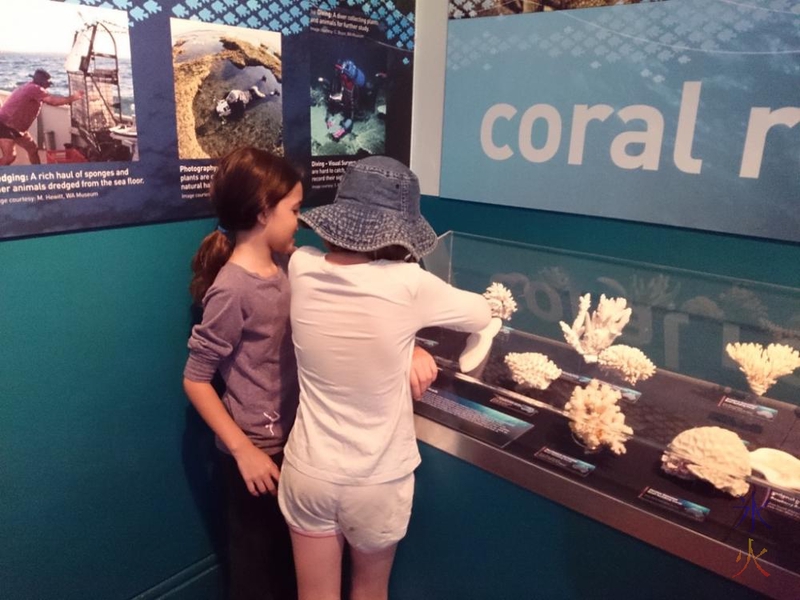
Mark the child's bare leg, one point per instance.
(371, 573)
(318, 563)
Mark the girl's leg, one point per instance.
(318, 563)
(371, 573)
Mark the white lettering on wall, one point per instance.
(553, 119)
(581, 116)
(505, 111)
(761, 121)
(650, 138)
(624, 150)
(687, 119)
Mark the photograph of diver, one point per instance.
(349, 84)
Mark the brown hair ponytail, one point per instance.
(214, 252)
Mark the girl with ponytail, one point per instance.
(240, 279)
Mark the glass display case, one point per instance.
(681, 452)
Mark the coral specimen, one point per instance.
(532, 369)
(595, 417)
(500, 301)
(630, 363)
(591, 334)
(703, 306)
(655, 291)
(713, 454)
(778, 467)
(763, 366)
(478, 346)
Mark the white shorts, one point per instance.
(371, 517)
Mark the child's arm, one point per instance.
(423, 372)
(259, 472)
(441, 304)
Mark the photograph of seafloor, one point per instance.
(348, 122)
(83, 50)
(228, 88)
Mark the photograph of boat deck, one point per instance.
(66, 93)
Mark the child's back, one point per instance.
(353, 328)
(351, 455)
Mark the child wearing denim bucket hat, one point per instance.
(355, 311)
(376, 206)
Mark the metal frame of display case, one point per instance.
(597, 498)
(662, 533)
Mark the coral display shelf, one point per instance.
(682, 321)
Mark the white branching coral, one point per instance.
(763, 366)
(591, 334)
(532, 369)
(630, 363)
(713, 454)
(501, 301)
(595, 417)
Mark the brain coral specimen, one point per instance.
(713, 454)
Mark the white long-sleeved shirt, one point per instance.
(353, 328)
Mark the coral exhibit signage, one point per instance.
(117, 111)
(682, 113)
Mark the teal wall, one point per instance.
(104, 486)
(103, 490)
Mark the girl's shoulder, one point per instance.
(234, 280)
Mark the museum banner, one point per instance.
(678, 112)
(116, 112)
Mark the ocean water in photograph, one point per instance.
(16, 69)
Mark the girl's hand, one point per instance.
(259, 472)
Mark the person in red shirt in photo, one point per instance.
(20, 110)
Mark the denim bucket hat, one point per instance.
(376, 205)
